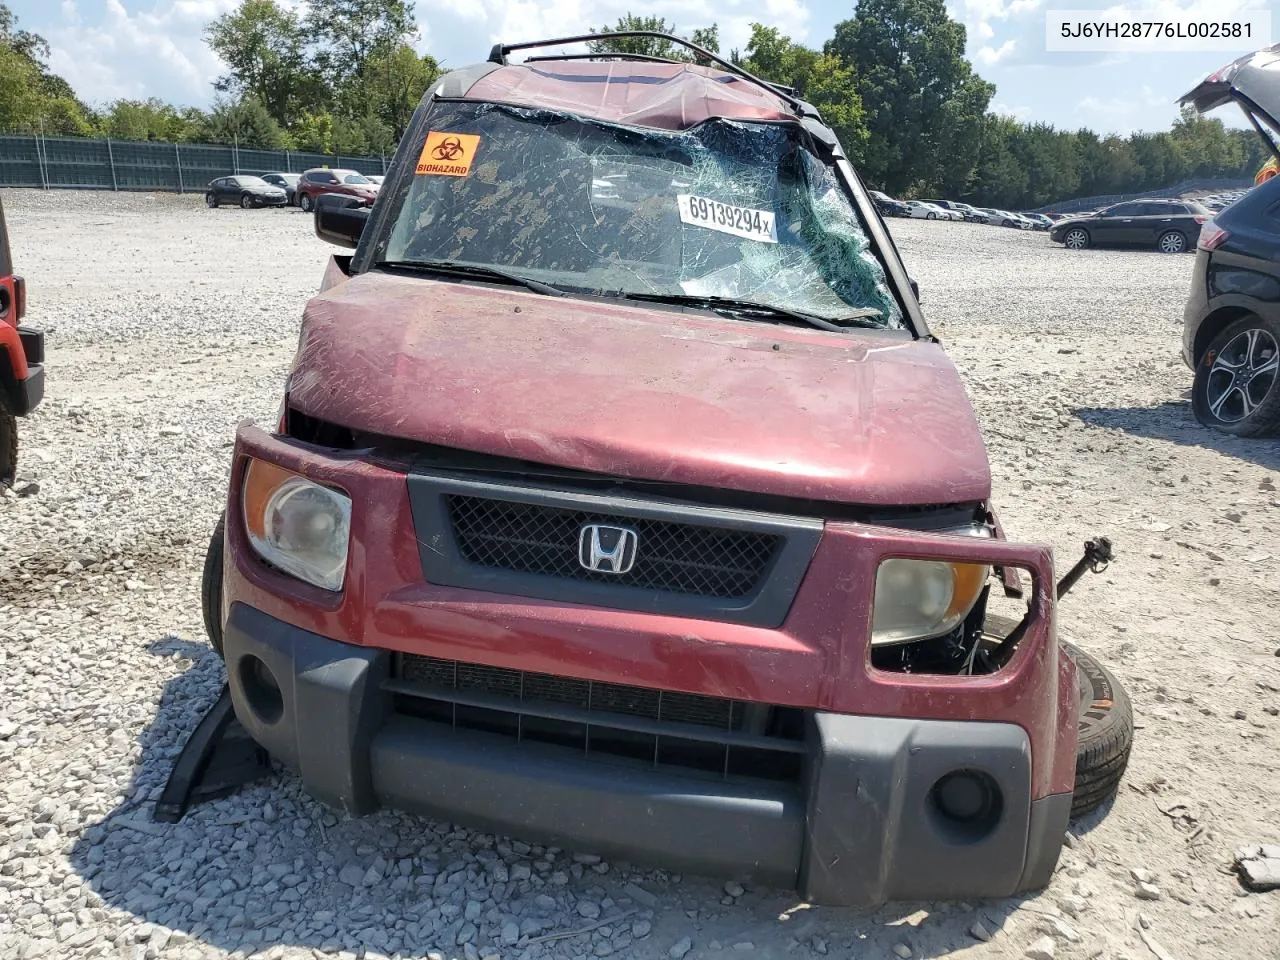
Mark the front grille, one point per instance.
(690, 733)
(670, 557)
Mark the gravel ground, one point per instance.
(168, 323)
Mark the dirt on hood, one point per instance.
(653, 394)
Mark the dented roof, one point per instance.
(668, 96)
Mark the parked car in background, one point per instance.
(999, 218)
(320, 181)
(246, 191)
(286, 181)
(924, 210)
(966, 212)
(1231, 322)
(1038, 220)
(375, 178)
(21, 361)
(888, 206)
(1170, 226)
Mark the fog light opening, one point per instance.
(261, 690)
(967, 803)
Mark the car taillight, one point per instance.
(1200, 219)
(19, 299)
(1212, 236)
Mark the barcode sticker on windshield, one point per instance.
(759, 225)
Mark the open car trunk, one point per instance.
(1253, 83)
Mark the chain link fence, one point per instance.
(78, 163)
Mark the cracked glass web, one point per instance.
(592, 206)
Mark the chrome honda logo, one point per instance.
(606, 549)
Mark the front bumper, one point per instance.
(859, 828)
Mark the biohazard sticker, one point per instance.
(448, 154)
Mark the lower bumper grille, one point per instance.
(700, 735)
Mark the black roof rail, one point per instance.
(611, 55)
(499, 53)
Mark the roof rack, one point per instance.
(603, 55)
(499, 53)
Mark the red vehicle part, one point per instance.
(747, 733)
(321, 680)
(21, 359)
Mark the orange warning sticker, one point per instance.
(448, 154)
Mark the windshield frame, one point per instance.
(401, 173)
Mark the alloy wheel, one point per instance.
(1076, 240)
(1243, 373)
(1172, 243)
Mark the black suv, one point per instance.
(1231, 324)
(1170, 226)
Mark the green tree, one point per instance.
(32, 98)
(347, 33)
(244, 122)
(776, 58)
(923, 100)
(708, 37)
(394, 81)
(150, 119)
(264, 47)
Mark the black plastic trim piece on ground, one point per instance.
(217, 760)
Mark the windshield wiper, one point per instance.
(471, 270)
(857, 318)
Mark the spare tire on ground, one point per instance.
(1106, 732)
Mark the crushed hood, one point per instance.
(641, 393)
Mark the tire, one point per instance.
(211, 587)
(1105, 733)
(8, 448)
(932, 216)
(1237, 384)
(246, 202)
(211, 201)
(306, 203)
(1077, 238)
(1172, 241)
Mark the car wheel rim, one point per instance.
(1076, 239)
(208, 201)
(1242, 375)
(1171, 243)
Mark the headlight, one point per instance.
(296, 525)
(918, 599)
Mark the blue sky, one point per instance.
(141, 48)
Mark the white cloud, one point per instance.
(512, 20)
(984, 31)
(989, 56)
(1005, 110)
(101, 62)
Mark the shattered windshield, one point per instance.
(727, 209)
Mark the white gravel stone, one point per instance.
(680, 948)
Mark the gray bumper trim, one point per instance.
(861, 829)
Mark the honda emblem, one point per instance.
(606, 549)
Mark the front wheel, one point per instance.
(1171, 242)
(211, 586)
(933, 216)
(306, 203)
(8, 448)
(1077, 239)
(1235, 387)
(246, 202)
(210, 201)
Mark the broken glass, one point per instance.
(739, 210)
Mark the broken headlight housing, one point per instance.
(921, 599)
